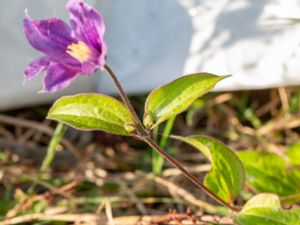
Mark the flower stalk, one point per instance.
(138, 124)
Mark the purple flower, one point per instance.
(69, 51)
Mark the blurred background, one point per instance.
(152, 43)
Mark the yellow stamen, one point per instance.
(79, 51)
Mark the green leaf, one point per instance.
(93, 112)
(226, 178)
(294, 154)
(175, 97)
(267, 172)
(265, 209)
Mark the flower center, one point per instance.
(79, 51)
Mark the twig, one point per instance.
(220, 99)
(53, 190)
(139, 205)
(36, 153)
(6, 133)
(60, 217)
(108, 212)
(267, 107)
(184, 194)
(284, 99)
(278, 124)
(93, 219)
(26, 123)
(115, 200)
(40, 127)
(236, 123)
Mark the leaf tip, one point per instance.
(225, 76)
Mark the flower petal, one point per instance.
(50, 36)
(102, 56)
(87, 23)
(88, 67)
(59, 76)
(36, 67)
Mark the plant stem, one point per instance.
(56, 138)
(157, 159)
(144, 135)
(126, 101)
(58, 135)
(167, 131)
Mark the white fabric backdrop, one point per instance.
(153, 42)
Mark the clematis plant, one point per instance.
(79, 49)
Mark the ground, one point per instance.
(98, 178)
